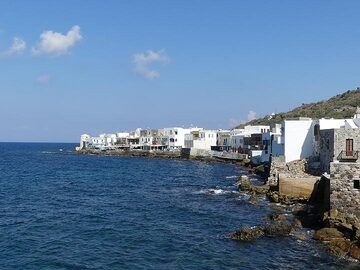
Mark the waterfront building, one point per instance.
(301, 136)
(84, 140)
(175, 137)
(200, 139)
(223, 141)
(273, 144)
(98, 142)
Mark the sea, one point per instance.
(63, 210)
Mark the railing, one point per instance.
(348, 156)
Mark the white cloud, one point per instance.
(251, 115)
(43, 79)
(142, 62)
(54, 43)
(235, 122)
(17, 47)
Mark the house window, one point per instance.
(349, 147)
(357, 184)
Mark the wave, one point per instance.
(216, 191)
(231, 177)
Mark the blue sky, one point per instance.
(108, 66)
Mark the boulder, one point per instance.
(244, 183)
(277, 228)
(247, 234)
(253, 199)
(327, 234)
(340, 247)
(276, 216)
(355, 252)
(260, 189)
(333, 213)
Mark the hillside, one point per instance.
(339, 106)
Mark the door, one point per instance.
(349, 147)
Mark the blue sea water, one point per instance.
(61, 210)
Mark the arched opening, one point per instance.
(317, 132)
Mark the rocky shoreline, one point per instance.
(328, 227)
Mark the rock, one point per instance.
(297, 223)
(253, 199)
(355, 252)
(244, 183)
(277, 216)
(340, 247)
(357, 232)
(278, 228)
(333, 213)
(327, 234)
(273, 197)
(260, 189)
(298, 234)
(247, 234)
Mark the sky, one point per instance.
(74, 67)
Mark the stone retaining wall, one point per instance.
(343, 195)
(294, 169)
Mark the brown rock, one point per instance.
(339, 247)
(244, 183)
(297, 223)
(327, 234)
(260, 189)
(253, 199)
(277, 216)
(246, 234)
(333, 213)
(355, 252)
(278, 228)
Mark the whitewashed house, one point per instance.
(84, 140)
(200, 139)
(98, 142)
(223, 140)
(176, 136)
(301, 136)
(244, 139)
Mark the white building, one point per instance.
(98, 142)
(176, 136)
(84, 140)
(201, 139)
(237, 136)
(301, 136)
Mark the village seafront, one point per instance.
(61, 210)
(313, 164)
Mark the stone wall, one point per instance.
(340, 137)
(332, 142)
(343, 195)
(277, 166)
(293, 169)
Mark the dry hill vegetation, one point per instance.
(340, 106)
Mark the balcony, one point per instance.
(348, 156)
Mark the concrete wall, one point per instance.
(297, 187)
(343, 196)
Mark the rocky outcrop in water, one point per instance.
(337, 243)
(277, 228)
(247, 234)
